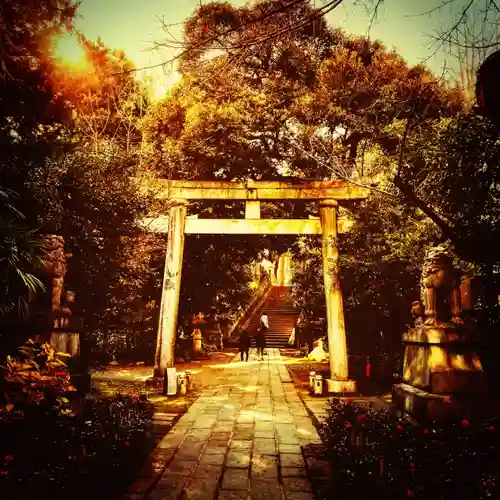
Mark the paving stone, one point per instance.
(264, 466)
(296, 484)
(241, 444)
(289, 448)
(181, 467)
(264, 447)
(284, 418)
(221, 426)
(208, 471)
(209, 459)
(264, 434)
(203, 423)
(198, 435)
(169, 487)
(233, 495)
(319, 468)
(288, 439)
(293, 472)
(200, 489)
(291, 460)
(265, 489)
(220, 436)
(215, 449)
(293, 495)
(170, 442)
(235, 479)
(159, 459)
(238, 458)
(189, 451)
(243, 433)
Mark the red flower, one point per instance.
(348, 425)
(385, 433)
(204, 28)
(426, 431)
(399, 428)
(460, 438)
(493, 447)
(410, 494)
(412, 465)
(491, 428)
(347, 401)
(361, 417)
(126, 443)
(8, 458)
(465, 423)
(98, 425)
(60, 374)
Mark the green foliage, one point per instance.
(379, 454)
(94, 451)
(18, 255)
(28, 102)
(36, 374)
(92, 199)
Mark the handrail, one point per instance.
(245, 313)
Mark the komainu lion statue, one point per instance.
(440, 288)
(54, 265)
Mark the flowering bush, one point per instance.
(37, 374)
(90, 453)
(378, 454)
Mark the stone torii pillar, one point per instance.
(337, 346)
(167, 328)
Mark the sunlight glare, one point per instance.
(68, 51)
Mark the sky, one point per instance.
(132, 25)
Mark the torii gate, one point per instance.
(177, 224)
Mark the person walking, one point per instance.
(260, 343)
(244, 344)
(260, 339)
(264, 322)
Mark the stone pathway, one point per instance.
(244, 438)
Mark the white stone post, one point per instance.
(337, 346)
(169, 307)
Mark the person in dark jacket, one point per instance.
(244, 344)
(260, 342)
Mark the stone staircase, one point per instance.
(282, 317)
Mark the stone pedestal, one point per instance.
(337, 386)
(442, 375)
(65, 336)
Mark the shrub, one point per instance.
(90, 452)
(378, 454)
(37, 374)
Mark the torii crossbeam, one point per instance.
(177, 224)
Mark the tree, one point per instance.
(28, 103)
(91, 199)
(105, 98)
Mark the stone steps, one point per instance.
(282, 318)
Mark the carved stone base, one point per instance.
(441, 360)
(66, 342)
(335, 386)
(426, 406)
(167, 384)
(155, 383)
